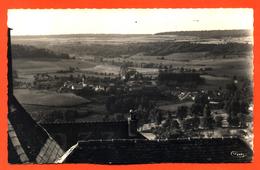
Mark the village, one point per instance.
(169, 104)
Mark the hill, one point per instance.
(30, 52)
(152, 48)
(211, 33)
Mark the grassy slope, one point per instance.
(48, 98)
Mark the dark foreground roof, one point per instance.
(158, 151)
(28, 142)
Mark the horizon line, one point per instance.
(249, 30)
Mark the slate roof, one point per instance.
(28, 142)
(134, 151)
(17, 152)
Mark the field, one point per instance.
(221, 68)
(124, 48)
(48, 98)
(114, 50)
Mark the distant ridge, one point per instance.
(79, 35)
(201, 33)
(31, 52)
(210, 33)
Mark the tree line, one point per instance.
(31, 52)
(151, 48)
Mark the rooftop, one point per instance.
(139, 151)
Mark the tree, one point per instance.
(196, 109)
(206, 111)
(109, 102)
(232, 88)
(182, 112)
(235, 107)
(159, 118)
(234, 121)
(202, 99)
(209, 122)
(218, 121)
(191, 123)
(244, 107)
(175, 124)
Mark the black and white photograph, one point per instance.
(130, 86)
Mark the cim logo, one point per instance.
(238, 154)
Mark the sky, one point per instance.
(125, 21)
